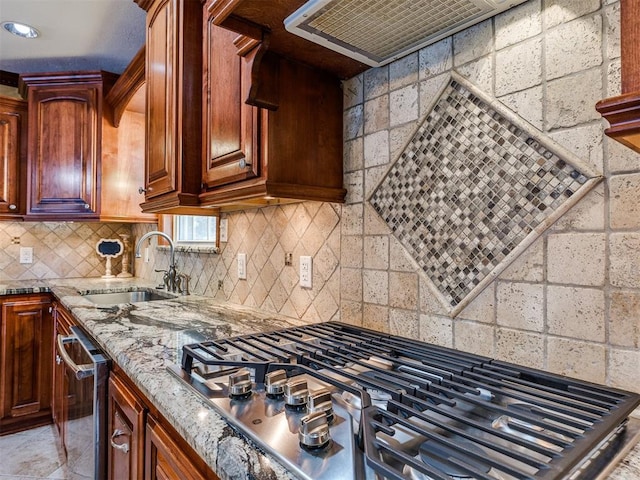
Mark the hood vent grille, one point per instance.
(377, 32)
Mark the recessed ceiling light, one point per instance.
(20, 29)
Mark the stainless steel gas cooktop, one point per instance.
(332, 401)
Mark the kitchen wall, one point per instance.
(569, 304)
(60, 249)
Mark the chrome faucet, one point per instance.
(170, 275)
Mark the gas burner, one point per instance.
(443, 459)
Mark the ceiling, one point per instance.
(74, 35)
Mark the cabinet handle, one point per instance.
(142, 190)
(124, 447)
(243, 163)
(12, 207)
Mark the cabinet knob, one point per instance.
(58, 360)
(124, 447)
(142, 190)
(12, 207)
(243, 163)
(87, 206)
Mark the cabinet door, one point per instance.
(230, 125)
(174, 102)
(65, 121)
(164, 460)
(126, 432)
(13, 130)
(26, 359)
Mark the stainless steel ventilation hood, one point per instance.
(376, 32)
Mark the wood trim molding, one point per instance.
(623, 115)
(131, 80)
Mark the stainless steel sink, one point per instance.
(137, 296)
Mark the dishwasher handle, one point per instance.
(80, 371)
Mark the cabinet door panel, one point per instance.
(64, 150)
(230, 125)
(13, 123)
(26, 360)
(161, 53)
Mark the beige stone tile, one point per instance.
(621, 158)
(624, 369)
(353, 122)
(399, 137)
(557, 12)
(518, 67)
(578, 359)
(403, 105)
(351, 283)
(372, 178)
(576, 258)
(624, 318)
(573, 46)
(353, 90)
(614, 80)
(403, 290)
(436, 59)
(624, 269)
(351, 223)
(474, 337)
(373, 224)
(404, 323)
(472, 43)
(430, 302)
(375, 287)
(376, 114)
(429, 90)
(325, 305)
(612, 30)
(351, 312)
(353, 155)
(376, 82)
(480, 73)
(588, 214)
(351, 251)
(404, 71)
(522, 348)
(529, 266)
(436, 329)
(576, 312)
(520, 305)
(568, 106)
(399, 259)
(527, 104)
(585, 141)
(482, 308)
(518, 24)
(376, 252)
(624, 208)
(354, 183)
(375, 317)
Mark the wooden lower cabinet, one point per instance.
(142, 444)
(26, 352)
(62, 324)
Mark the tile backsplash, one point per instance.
(60, 249)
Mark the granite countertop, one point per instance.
(145, 338)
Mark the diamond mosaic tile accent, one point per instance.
(473, 187)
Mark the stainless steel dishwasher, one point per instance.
(84, 405)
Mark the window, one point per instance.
(195, 230)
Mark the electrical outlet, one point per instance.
(224, 229)
(306, 271)
(288, 259)
(242, 266)
(26, 254)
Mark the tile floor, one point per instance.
(31, 455)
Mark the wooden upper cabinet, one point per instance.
(64, 143)
(13, 153)
(272, 127)
(174, 105)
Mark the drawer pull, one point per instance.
(123, 447)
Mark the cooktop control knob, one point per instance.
(320, 401)
(274, 383)
(240, 383)
(314, 431)
(296, 393)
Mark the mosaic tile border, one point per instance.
(473, 188)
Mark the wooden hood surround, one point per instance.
(623, 112)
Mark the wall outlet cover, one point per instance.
(306, 271)
(242, 266)
(26, 254)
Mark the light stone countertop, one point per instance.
(145, 338)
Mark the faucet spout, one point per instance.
(172, 260)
